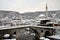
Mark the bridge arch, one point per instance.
(47, 33)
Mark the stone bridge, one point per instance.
(22, 31)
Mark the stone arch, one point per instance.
(47, 33)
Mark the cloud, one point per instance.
(28, 5)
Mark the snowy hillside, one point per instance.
(30, 15)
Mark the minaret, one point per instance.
(46, 10)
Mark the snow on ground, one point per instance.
(43, 38)
(9, 39)
(55, 36)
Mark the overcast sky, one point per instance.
(29, 5)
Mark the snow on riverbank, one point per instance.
(43, 38)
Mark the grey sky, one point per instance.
(29, 5)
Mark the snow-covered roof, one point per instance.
(41, 15)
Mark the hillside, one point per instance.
(30, 15)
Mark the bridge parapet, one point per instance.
(39, 31)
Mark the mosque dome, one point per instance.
(42, 15)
